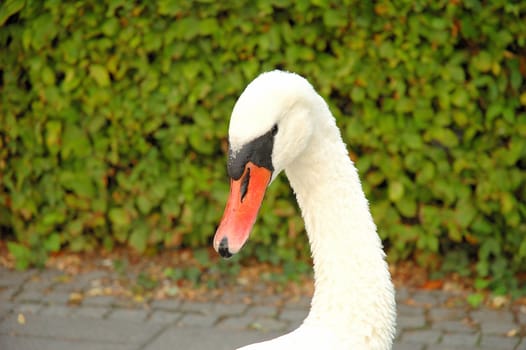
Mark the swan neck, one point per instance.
(353, 290)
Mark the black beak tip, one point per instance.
(222, 249)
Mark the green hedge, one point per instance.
(114, 120)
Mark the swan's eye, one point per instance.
(274, 129)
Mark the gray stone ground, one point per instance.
(36, 312)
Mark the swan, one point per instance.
(281, 123)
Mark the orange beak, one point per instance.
(244, 201)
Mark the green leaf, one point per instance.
(9, 8)
(144, 204)
(119, 217)
(395, 191)
(53, 135)
(100, 75)
(407, 207)
(483, 61)
(465, 213)
(139, 238)
(208, 26)
(475, 299)
(110, 27)
(169, 7)
(335, 18)
(52, 243)
(21, 253)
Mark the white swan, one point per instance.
(281, 123)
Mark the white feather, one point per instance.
(353, 306)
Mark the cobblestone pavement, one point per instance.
(36, 312)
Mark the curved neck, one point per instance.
(353, 291)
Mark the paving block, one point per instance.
(81, 330)
(197, 320)
(236, 322)
(421, 337)
(409, 310)
(99, 300)
(8, 292)
(460, 339)
(485, 315)
(454, 326)
(66, 287)
(293, 315)
(29, 295)
(39, 283)
(495, 327)
(163, 316)
(229, 309)
(447, 314)
(4, 311)
(522, 345)
(268, 324)
(166, 304)
(205, 339)
(197, 307)
(213, 309)
(27, 308)
(136, 315)
(56, 297)
(261, 310)
(301, 303)
(89, 312)
(406, 346)
(85, 280)
(13, 278)
(424, 298)
(402, 294)
(450, 347)
(498, 343)
(521, 316)
(30, 343)
(233, 297)
(55, 310)
(410, 322)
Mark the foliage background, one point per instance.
(114, 117)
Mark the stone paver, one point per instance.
(460, 339)
(56, 310)
(406, 322)
(169, 305)
(293, 315)
(205, 339)
(36, 313)
(268, 324)
(262, 310)
(403, 346)
(446, 314)
(90, 312)
(128, 315)
(163, 316)
(99, 300)
(498, 343)
(197, 320)
(495, 327)
(421, 337)
(25, 343)
(236, 322)
(125, 332)
(454, 326)
(522, 345)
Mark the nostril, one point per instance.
(222, 249)
(244, 184)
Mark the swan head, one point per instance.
(271, 125)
